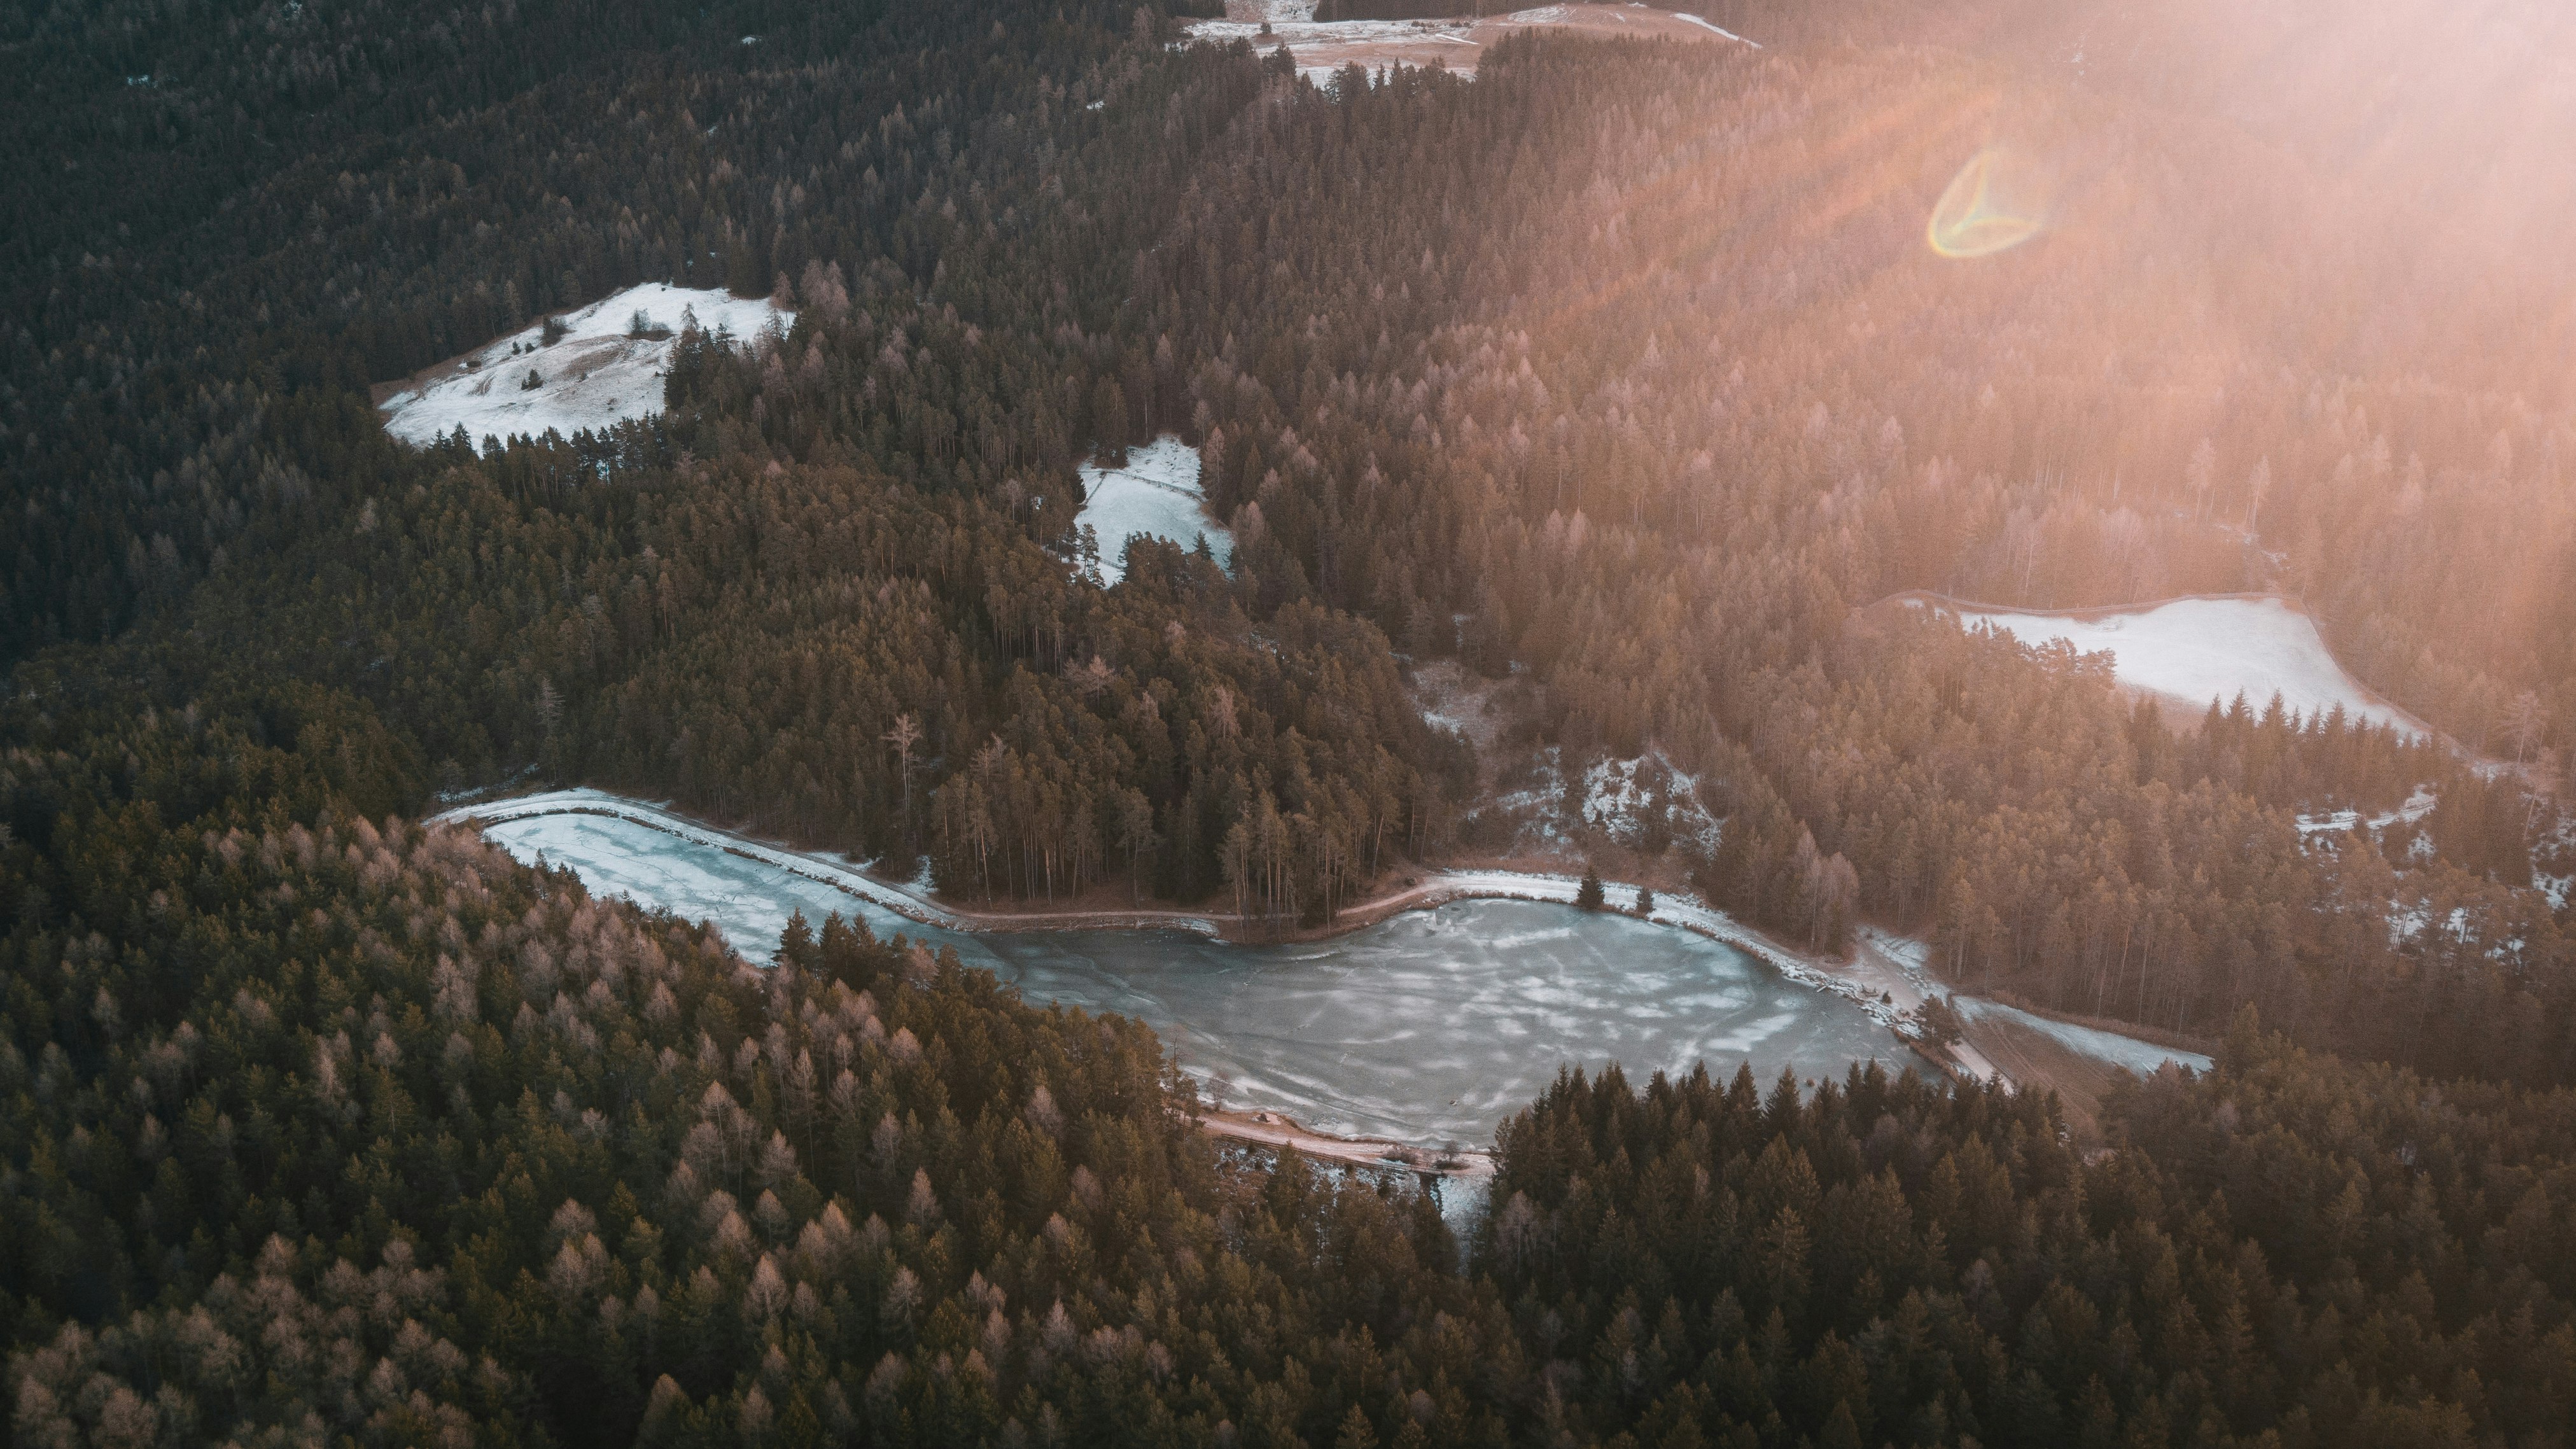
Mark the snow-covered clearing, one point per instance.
(2196, 650)
(595, 375)
(1157, 494)
(1322, 48)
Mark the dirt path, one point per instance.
(1277, 1129)
(1455, 43)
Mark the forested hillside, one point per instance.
(330, 1127)
(1620, 371)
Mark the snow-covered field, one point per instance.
(2196, 650)
(1156, 494)
(1322, 47)
(592, 377)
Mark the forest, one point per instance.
(1619, 372)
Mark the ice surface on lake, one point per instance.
(2196, 650)
(1429, 1027)
(1157, 494)
(593, 376)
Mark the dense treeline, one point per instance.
(2284, 1252)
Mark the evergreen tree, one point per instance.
(1588, 896)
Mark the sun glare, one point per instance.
(1989, 207)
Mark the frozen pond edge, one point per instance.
(1435, 889)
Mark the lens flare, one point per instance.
(1993, 205)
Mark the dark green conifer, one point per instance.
(1588, 896)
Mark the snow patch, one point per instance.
(1156, 495)
(2137, 1056)
(1704, 25)
(1627, 798)
(1258, 11)
(2202, 649)
(2417, 806)
(594, 376)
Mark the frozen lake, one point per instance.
(1430, 1027)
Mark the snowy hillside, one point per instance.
(1156, 494)
(596, 374)
(2196, 650)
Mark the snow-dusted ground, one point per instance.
(2417, 806)
(1721, 30)
(2196, 650)
(1157, 494)
(595, 376)
(2103, 1046)
(1620, 796)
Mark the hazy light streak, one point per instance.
(1979, 214)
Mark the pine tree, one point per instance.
(1588, 896)
(1645, 900)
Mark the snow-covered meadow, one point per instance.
(2197, 650)
(1323, 47)
(595, 375)
(1157, 494)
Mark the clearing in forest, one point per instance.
(2191, 651)
(1155, 493)
(604, 366)
(1456, 44)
